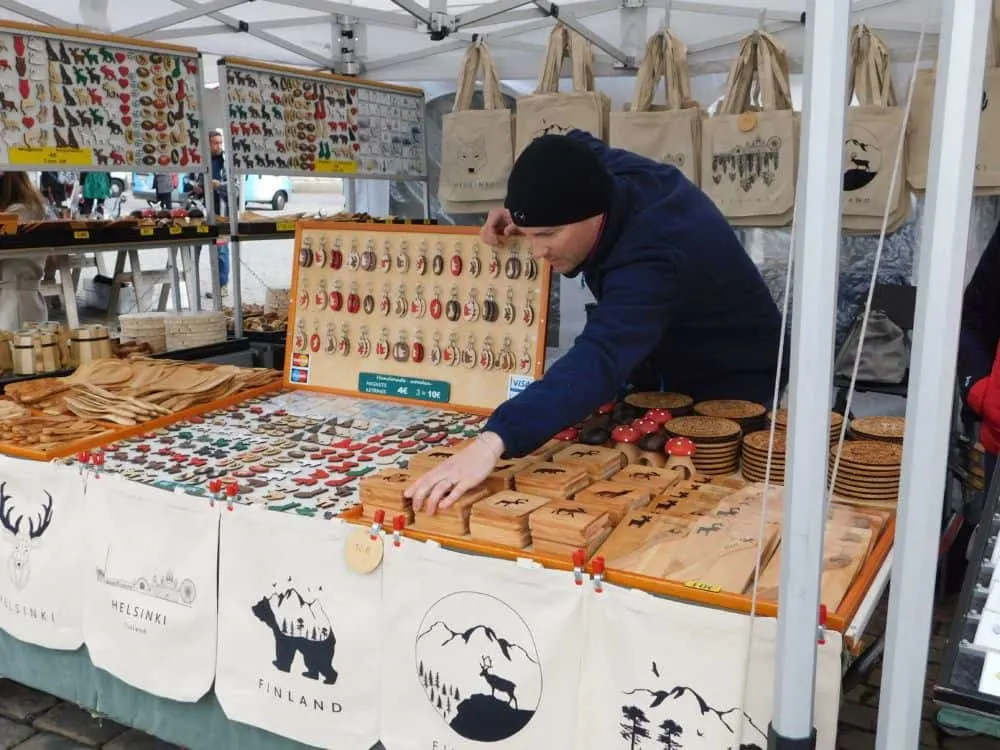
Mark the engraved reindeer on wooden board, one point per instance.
(497, 683)
(19, 563)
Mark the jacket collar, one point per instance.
(611, 230)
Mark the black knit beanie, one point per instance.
(557, 180)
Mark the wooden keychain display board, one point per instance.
(288, 121)
(91, 101)
(415, 314)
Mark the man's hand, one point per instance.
(499, 225)
(216, 184)
(448, 481)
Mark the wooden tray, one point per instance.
(318, 316)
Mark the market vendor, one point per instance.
(979, 347)
(20, 298)
(680, 305)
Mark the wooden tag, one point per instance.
(363, 554)
(746, 122)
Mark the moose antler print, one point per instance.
(19, 563)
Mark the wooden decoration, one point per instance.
(613, 498)
(552, 481)
(644, 543)
(869, 471)
(546, 451)
(503, 518)
(503, 474)
(722, 553)
(384, 491)
(453, 520)
(755, 450)
(717, 442)
(415, 313)
(747, 414)
(678, 404)
(90, 342)
(599, 462)
(423, 462)
(780, 418)
(560, 527)
(890, 429)
(653, 480)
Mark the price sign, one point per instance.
(398, 386)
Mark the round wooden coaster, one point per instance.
(751, 476)
(717, 449)
(672, 402)
(704, 429)
(866, 471)
(760, 441)
(865, 495)
(760, 468)
(721, 472)
(865, 483)
(871, 453)
(879, 428)
(730, 409)
(362, 553)
(780, 418)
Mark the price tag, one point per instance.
(362, 553)
(703, 587)
(285, 226)
(81, 234)
(146, 231)
(202, 229)
(174, 229)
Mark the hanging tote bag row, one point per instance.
(873, 134)
(750, 148)
(477, 146)
(670, 133)
(987, 180)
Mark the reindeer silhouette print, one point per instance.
(512, 502)
(506, 687)
(571, 512)
(19, 563)
(640, 521)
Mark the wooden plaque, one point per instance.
(415, 314)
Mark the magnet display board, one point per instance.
(288, 121)
(92, 101)
(415, 313)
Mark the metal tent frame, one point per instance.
(961, 58)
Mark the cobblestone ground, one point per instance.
(30, 720)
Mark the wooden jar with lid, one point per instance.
(90, 342)
(36, 353)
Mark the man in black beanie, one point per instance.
(680, 305)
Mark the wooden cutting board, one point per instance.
(644, 543)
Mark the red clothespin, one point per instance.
(376, 524)
(579, 558)
(83, 457)
(232, 490)
(598, 567)
(214, 489)
(821, 639)
(97, 461)
(397, 529)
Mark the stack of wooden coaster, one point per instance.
(546, 451)
(188, 330)
(554, 481)
(678, 404)
(889, 429)
(780, 418)
(503, 518)
(613, 498)
(749, 415)
(453, 520)
(869, 472)
(755, 447)
(716, 440)
(563, 526)
(597, 461)
(421, 463)
(384, 491)
(144, 328)
(503, 474)
(648, 478)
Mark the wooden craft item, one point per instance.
(648, 478)
(780, 418)
(599, 462)
(678, 404)
(90, 342)
(890, 429)
(748, 414)
(644, 543)
(503, 474)
(613, 498)
(546, 451)
(704, 431)
(35, 353)
(423, 462)
(6, 352)
(369, 511)
(503, 517)
(551, 480)
(563, 526)
(45, 432)
(453, 520)
(722, 553)
(869, 470)
(385, 490)
(32, 392)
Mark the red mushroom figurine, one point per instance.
(681, 450)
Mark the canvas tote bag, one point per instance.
(477, 147)
(872, 135)
(43, 512)
(669, 134)
(666, 674)
(987, 180)
(750, 149)
(548, 111)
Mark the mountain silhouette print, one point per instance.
(466, 635)
(678, 692)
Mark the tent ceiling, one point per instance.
(394, 45)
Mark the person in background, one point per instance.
(20, 299)
(163, 184)
(57, 187)
(220, 200)
(96, 190)
(979, 349)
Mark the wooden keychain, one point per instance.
(528, 313)
(336, 256)
(506, 361)
(469, 355)
(531, 268)
(344, 343)
(368, 259)
(401, 349)
(385, 263)
(453, 310)
(402, 305)
(319, 255)
(451, 354)
(486, 357)
(436, 306)
(475, 264)
(524, 364)
(418, 307)
(300, 336)
(322, 299)
(494, 263)
(305, 253)
(331, 340)
(471, 309)
(491, 310)
(437, 262)
(385, 305)
(509, 311)
(315, 342)
(512, 269)
(436, 354)
(403, 258)
(368, 303)
(364, 343)
(304, 296)
(417, 350)
(382, 347)
(337, 296)
(353, 299)
(421, 264)
(354, 257)
(456, 260)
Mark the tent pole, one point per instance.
(816, 239)
(951, 171)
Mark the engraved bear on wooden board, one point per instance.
(307, 632)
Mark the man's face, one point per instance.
(215, 143)
(564, 247)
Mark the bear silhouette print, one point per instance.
(299, 627)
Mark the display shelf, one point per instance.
(95, 101)
(248, 231)
(86, 236)
(970, 674)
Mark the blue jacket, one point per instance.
(980, 332)
(680, 307)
